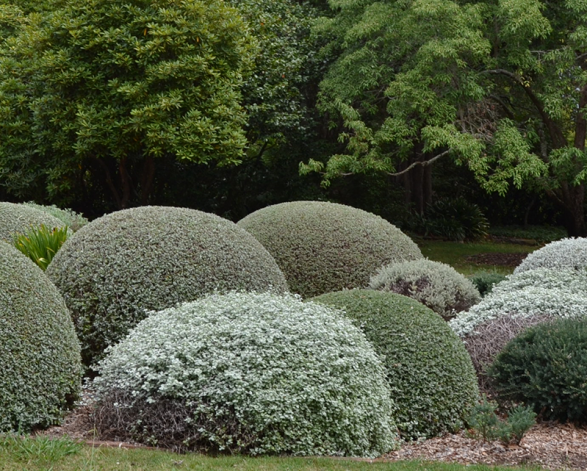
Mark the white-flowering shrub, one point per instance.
(67, 216)
(436, 285)
(19, 218)
(248, 373)
(114, 269)
(40, 365)
(323, 247)
(529, 301)
(562, 254)
(432, 379)
(565, 279)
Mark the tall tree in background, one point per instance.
(497, 84)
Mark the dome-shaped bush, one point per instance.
(323, 247)
(432, 379)
(565, 253)
(436, 285)
(566, 279)
(18, 219)
(115, 268)
(526, 302)
(40, 367)
(248, 373)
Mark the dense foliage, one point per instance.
(436, 285)
(118, 266)
(486, 281)
(430, 373)
(41, 244)
(40, 367)
(323, 247)
(69, 217)
(561, 278)
(568, 253)
(545, 368)
(248, 373)
(19, 219)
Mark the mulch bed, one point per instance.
(497, 258)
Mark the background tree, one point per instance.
(94, 94)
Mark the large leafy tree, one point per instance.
(93, 94)
(497, 84)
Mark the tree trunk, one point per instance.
(572, 204)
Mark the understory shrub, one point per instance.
(526, 302)
(41, 244)
(486, 281)
(323, 247)
(247, 373)
(40, 367)
(568, 253)
(114, 269)
(436, 285)
(67, 216)
(545, 367)
(18, 219)
(432, 379)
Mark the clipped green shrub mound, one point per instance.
(40, 367)
(248, 373)
(562, 254)
(323, 247)
(545, 367)
(436, 285)
(432, 379)
(67, 216)
(19, 218)
(114, 269)
(526, 302)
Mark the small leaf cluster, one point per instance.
(485, 282)
(545, 367)
(41, 244)
(323, 247)
(569, 253)
(40, 365)
(429, 371)
(251, 373)
(436, 285)
(18, 219)
(115, 268)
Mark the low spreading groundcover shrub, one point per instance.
(247, 373)
(323, 247)
(428, 369)
(40, 365)
(114, 269)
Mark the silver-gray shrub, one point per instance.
(323, 247)
(67, 216)
(247, 373)
(570, 253)
(525, 302)
(19, 218)
(566, 279)
(436, 285)
(114, 269)
(40, 365)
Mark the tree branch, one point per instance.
(423, 163)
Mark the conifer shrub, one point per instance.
(114, 269)
(436, 285)
(432, 379)
(247, 373)
(323, 247)
(40, 365)
(18, 219)
(67, 216)
(570, 253)
(545, 367)
(526, 302)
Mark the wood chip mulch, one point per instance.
(497, 258)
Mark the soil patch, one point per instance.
(497, 258)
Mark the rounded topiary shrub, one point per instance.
(323, 247)
(526, 302)
(565, 253)
(247, 373)
(19, 218)
(566, 279)
(434, 284)
(40, 365)
(432, 379)
(115, 268)
(545, 367)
